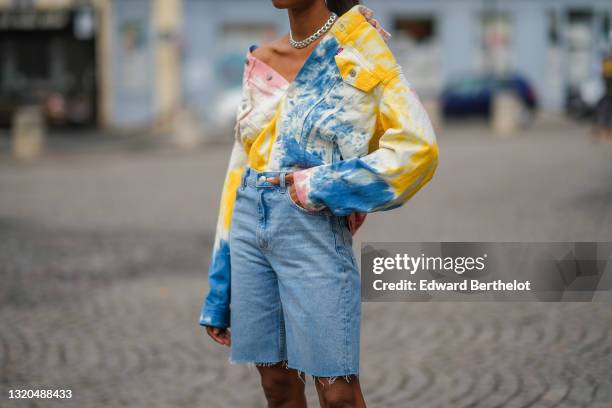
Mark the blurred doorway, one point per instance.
(48, 58)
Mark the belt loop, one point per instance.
(282, 180)
(245, 174)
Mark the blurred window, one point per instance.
(580, 43)
(553, 28)
(496, 41)
(419, 29)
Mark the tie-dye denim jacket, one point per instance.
(349, 126)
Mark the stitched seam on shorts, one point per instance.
(341, 230)
(334, 234)
(281, 333)
(337, 227)
(346, 319)
(349, 245)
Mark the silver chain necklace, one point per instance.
(306, 42)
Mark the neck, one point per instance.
(306, 20)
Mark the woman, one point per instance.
(328, 130)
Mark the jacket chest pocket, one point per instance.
(355, 71)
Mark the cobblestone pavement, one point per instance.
(103, 256)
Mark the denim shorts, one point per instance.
(295, 286)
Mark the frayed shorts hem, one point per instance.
(330, 378)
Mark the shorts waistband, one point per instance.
(258, 179)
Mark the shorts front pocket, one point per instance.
(301, 209)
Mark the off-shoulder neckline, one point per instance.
(253, 60)
(307, 61)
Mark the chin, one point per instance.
(289, 4)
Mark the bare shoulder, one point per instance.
(267, 51)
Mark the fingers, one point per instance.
(220, 335)
(213, 332)
(367, 12)
(290, 186)
(294, 196)
(383, 33)
(369, 16)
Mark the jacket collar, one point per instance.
(347, 24)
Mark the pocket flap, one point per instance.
(354, 72)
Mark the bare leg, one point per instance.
(282, 386)
(339, 393)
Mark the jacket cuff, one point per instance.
(301, 181)
(215, 318)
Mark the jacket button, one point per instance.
(353, 73)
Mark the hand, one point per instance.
(369, 16)
(290, 187)
(221, 335)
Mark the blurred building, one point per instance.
(48, 57)
(91, 62)
(138, 63)
(556, 44)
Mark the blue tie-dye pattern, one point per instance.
(218, 299)
(328, 77)
(292, 152)
(323, 126)
(315, 79)
(310, 78)
(295, 156)
(343, 132)
(347, 192)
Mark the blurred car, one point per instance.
(472, 95)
